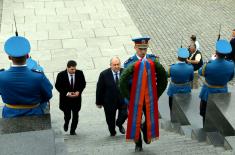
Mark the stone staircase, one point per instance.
(93, 137)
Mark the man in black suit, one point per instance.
(108, 96)
(70, 83)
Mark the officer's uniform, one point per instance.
(217, 73)
(141, 43)
(33, 65)
(135, 58)
(181, 75)
(22, 90)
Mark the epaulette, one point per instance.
(36, 70)
(169, 71)
(152, 56)
(2, 69)
(128, 60)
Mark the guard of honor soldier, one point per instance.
(181, 75)
(217, 74)
(22, 89)
(155, 75)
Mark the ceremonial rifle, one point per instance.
(15, 26)
(219, 32)
(181, 41)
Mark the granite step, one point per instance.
(93, 137)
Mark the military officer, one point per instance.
(22, 89)
(180, 81)
(217, 74)
(141, 45)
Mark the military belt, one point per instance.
(22, 106)
(181, 84)
(214, 86)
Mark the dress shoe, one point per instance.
(73, 133)
(113, 134)
(66, 126)
(122, 130)
(138, 148)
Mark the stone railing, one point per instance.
(27, 135)
(220, 120)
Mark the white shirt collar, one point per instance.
(180, 62)
(115, 72)
(140, 57)
(70, 74)
(18, 65)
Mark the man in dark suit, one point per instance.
(108, 96)
(70, 83)
(232, 42)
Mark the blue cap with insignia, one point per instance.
(183, 53)
(141, 42)
(17, 46)
(223, 46)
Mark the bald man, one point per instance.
(108, 96)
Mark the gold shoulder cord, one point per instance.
(204, 69)
(169, 73)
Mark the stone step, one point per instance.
(150, 148)
(93, 136)
(60, 146)
(148, 152)
(176, 141)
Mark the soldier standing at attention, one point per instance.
(181, 75)
(217, 74)
(22, 89)
(148, 81)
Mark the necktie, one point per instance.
(71, 82)
(116, 78)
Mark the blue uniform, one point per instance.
(217, 73)
(134, 58)
(32, 64)
(181, 75)
(22, 86)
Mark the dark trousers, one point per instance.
(170, 102)
(144, 131)
(75, 116)
(203, 110)
(110, 115)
